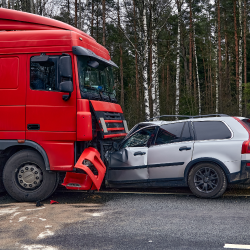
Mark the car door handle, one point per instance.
(184, 148)
(139, 153)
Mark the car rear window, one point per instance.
(211, 130)
(247, 123)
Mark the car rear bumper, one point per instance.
(243, 176)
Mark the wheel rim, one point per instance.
(29, 176)
(206, 180)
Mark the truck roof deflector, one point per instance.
(80, 51)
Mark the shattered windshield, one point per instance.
(95, 82)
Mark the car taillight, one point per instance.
(245, 147)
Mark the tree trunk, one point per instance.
(97, 22)
(136, 59)
(121, 76)
(184, 55)
(103, 23)
(240, 58)
(36, 7)
(245, 51)
(217, 70)
(197, 75)
(84, 16)
(4, 4)
(31, 6)
(76, 13)
(145, 63)
(236, 50)
(121, 57)
(92, 18)
(219, 53)
(190, 43)
(80, 16)
(177, 81)
(155, 76)
(227, 77)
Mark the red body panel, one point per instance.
(106, 106)
(12, 96)
(114, 135)
(18, 20)
(84, 121)
(92, 155)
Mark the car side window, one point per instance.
(140, 138)
(211, 130)
(44, 75)
(169, 133)
(186, 136)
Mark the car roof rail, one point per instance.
(189, 116)
(219, 115)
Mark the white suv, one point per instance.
(204, 153)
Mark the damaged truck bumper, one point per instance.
(92, 171)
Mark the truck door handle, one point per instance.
(139, 153)
(33, 126)
(184, 148)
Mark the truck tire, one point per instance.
(207, 180)
(26, 179)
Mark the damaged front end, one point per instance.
(92, 171)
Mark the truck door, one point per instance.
(50, 120)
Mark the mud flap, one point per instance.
(79, 181)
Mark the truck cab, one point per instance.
(58, 107)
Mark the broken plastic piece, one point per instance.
(77, 181)
(54, 202)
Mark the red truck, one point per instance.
(58, 111)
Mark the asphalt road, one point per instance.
(152, 220)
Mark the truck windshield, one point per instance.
(96, 83)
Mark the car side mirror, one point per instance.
(115, 146)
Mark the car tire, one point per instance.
(25, 177)
(207, 180)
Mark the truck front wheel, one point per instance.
(26, 179)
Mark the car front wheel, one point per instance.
(207, 180)
(26, 179)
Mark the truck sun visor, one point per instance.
(80, 51)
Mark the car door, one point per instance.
(129, 163)
(171, 152)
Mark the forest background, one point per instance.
(175, 57)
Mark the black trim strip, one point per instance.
(148, 166)
(147, 180)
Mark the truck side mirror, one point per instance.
(67, 87)
(65, 72)
(65, 67)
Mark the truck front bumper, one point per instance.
(92, 174)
